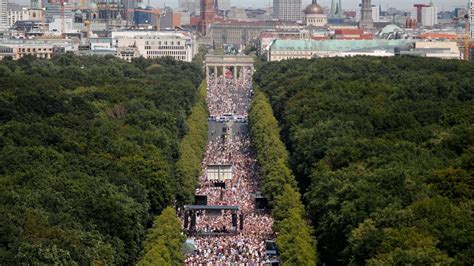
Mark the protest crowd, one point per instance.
(217, 240)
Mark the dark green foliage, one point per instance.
(192, 149)
(382, 149)
(295, 241)
(88, 148)
(164, 241)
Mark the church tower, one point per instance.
(366, 21)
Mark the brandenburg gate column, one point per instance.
(223, 73)
(207, 73)
(235, 73)
(215, 75)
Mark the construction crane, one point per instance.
(465, 40)
(62, 18)
(87, 23)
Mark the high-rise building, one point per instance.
(425, 15)
(471, 18)
(287, 10)
(429, 16)
(208, 14)
(3, 14)
(366, 21)
(336, 9)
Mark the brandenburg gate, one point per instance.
(240, 64)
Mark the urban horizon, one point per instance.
(347, 4)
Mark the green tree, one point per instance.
(164, 241)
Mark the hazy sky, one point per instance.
(347, 4)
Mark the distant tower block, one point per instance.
(366, 21)
(208, 8)
(336, 9)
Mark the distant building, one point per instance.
(425, 15)
(189, 5)
(306, 49)
(375, 14)
(471, 17)
(314, 15)
(207, 15)
(127, 53)
(171, 19)
(156, 44)
(267, 37)
(242, 33)
(352, 34)
(429, 16)
(289, 10)
(3, 15)
(143, 16)
(15, 15)
(445, 50)
(223, 5)
(185, 17)
(366, 21)
(45, 49)
(35, 4)
(336, 10)
(237, 13)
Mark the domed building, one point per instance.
(314, 15)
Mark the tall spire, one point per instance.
(366, 21)
(333, 9)
(340, 14)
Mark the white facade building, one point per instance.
(44, 49)
(287, 10)
(24, 14)
(155, 44)
(429, 16)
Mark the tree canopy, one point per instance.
(88, 151)
(382, 149)
(164, 241)
(295, 242)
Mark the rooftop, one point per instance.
(336, 45)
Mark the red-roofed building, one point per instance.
(352, 34)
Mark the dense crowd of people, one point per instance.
(229, 96)
(245, 242)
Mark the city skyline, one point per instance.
(347, 4)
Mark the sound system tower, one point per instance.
(200, 199)
(234, 220)
(193, 220)
(186, 222)
(241, 222)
